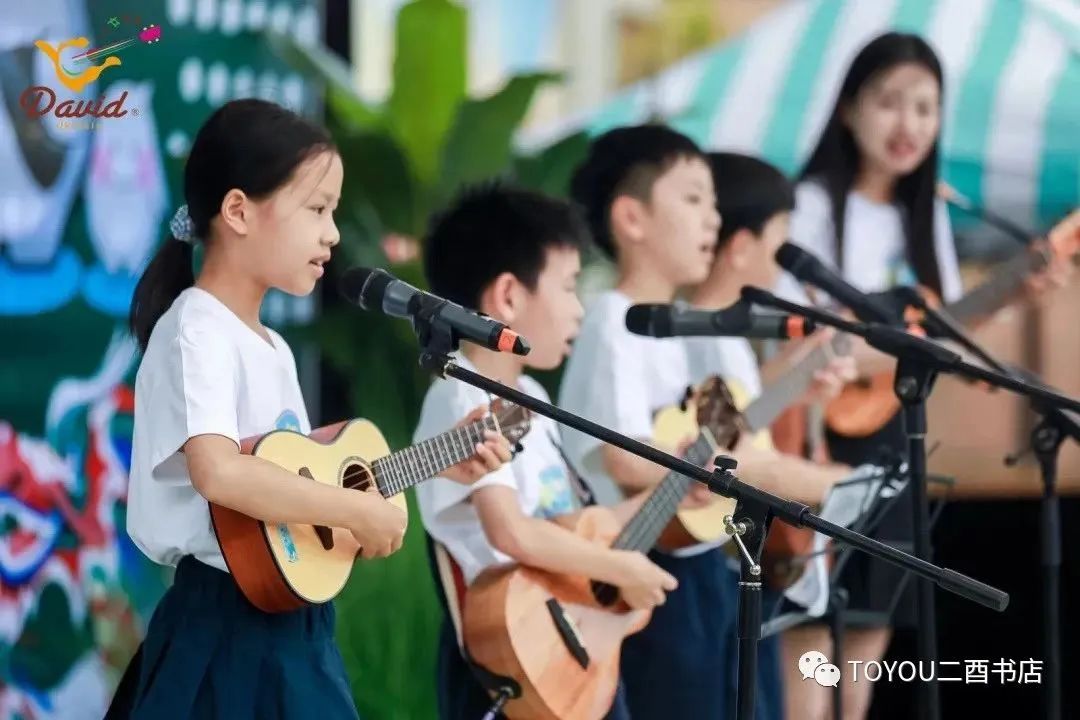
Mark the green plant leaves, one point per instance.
(377, 172)
(480, 143)
(550, 170)
(429, 80)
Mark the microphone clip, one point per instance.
(435, 334)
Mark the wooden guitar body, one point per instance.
(284, 566)
(510, 628)
(863, 407)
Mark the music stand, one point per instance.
(875, 507)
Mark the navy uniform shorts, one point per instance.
(683, 665)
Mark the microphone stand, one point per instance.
(749, 522)
(1046, 439)
(919, 362)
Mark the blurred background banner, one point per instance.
(1012, 73)
(83, 204)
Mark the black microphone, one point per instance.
(379, 291)
(662, 321)
(808, 269)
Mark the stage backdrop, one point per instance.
(1012, 106)
(83, 203)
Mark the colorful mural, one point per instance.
(75, 592)
(98, 103)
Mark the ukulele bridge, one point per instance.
(569, 633)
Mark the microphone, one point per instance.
(379, 291)
(808, 269)
(662, 321)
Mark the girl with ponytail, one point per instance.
(261, 185)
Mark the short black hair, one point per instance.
(625, 161)
(494, 228)
(749, 193)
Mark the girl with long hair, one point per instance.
(866, 205)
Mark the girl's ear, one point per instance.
(234, 211)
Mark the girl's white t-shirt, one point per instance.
(875, 256)
(204, 372)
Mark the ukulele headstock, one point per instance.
(717, 411)
(513, 420)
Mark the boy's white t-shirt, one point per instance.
(875, 256)
(204, 372)
(619, 380)
(537, 474)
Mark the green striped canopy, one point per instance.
(1012, 118)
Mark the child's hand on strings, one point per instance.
(831, 379)
(490, 455)
(643, 584)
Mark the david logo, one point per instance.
(79, 71)
(814, 665)
(75, 80)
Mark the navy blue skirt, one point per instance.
(210, 654)
(684, 664)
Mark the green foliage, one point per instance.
(429, 80)
(550, 170)
(479, 146)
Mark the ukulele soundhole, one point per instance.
(356, 477)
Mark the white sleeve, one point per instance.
(605, 382)
(812, 230)
(952, 286)
(446, 403)
(195, 393)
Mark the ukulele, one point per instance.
(559, 636)
(284, 566)
(734, 417)
(866, 406)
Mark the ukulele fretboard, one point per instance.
(989, 296)
(644, 529)
(399, 471)
(779, 395)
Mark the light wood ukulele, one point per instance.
(736, 416)
(284, 566)
(560, 637)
